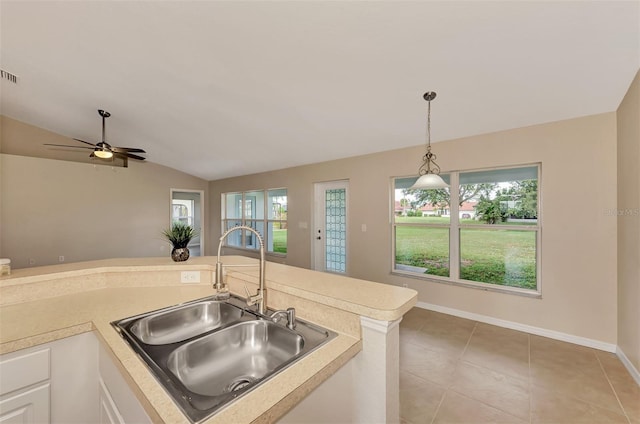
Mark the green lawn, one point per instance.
(280, 241)
(504, 257)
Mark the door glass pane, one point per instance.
(424, 250)
(336, 230)
(504, 257)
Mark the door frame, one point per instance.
(318, 251)
(202, 212)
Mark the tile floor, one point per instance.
(454, 370)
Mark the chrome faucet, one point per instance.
(260, 298)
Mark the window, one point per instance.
(258, 209)
(484, 230)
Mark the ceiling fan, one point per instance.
(104, 150)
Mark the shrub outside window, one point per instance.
(260, 210)
(482, 231)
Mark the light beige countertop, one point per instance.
(40, 305)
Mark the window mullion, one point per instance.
(454, 229)
(243, 220)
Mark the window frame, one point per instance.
(247, 220)
(455, 227)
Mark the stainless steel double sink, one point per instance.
(207, 353)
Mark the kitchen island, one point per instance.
(45, 304)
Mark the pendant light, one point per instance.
(429, 170)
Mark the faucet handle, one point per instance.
(246, 290)
(252, 300)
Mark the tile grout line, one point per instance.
(612, 388)
(458, 362)
(468, 341)
(435, 414)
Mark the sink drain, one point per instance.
(240, 383)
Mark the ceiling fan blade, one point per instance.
(85, 142)
(73, 147)
(127, 149)
(129, 155)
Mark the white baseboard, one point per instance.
(628, 365)
(557, 335)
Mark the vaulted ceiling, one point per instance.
(225, 88)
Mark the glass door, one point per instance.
(330, 227)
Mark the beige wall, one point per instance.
(52, 207)
(578, 236)
(629, 224)
(42, 198)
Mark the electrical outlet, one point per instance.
(406, 286)
(60, 258)
(32, 262)
(190, 277)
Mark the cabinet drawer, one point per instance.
(24, 370)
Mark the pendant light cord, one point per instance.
(429, 125)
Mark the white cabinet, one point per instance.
(26, 406)
(69, 381)
(74, 376)
(109, 413)
(118, 403)
(25, 387)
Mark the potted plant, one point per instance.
(179, 235)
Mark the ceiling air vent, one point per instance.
(8, 76)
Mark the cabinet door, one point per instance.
(122, 398)
(27, 407)
(109, 413)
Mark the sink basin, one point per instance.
(184, 322)
(208, 353)
(233, 358)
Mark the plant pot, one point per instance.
(180, 254)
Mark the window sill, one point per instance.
(535, 294)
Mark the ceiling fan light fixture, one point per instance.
(103, 153)
(103, 150)
(429, 170)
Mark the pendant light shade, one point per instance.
(430, 181)
(429, 170)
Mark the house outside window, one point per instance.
(483, 231)
(260, 210)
